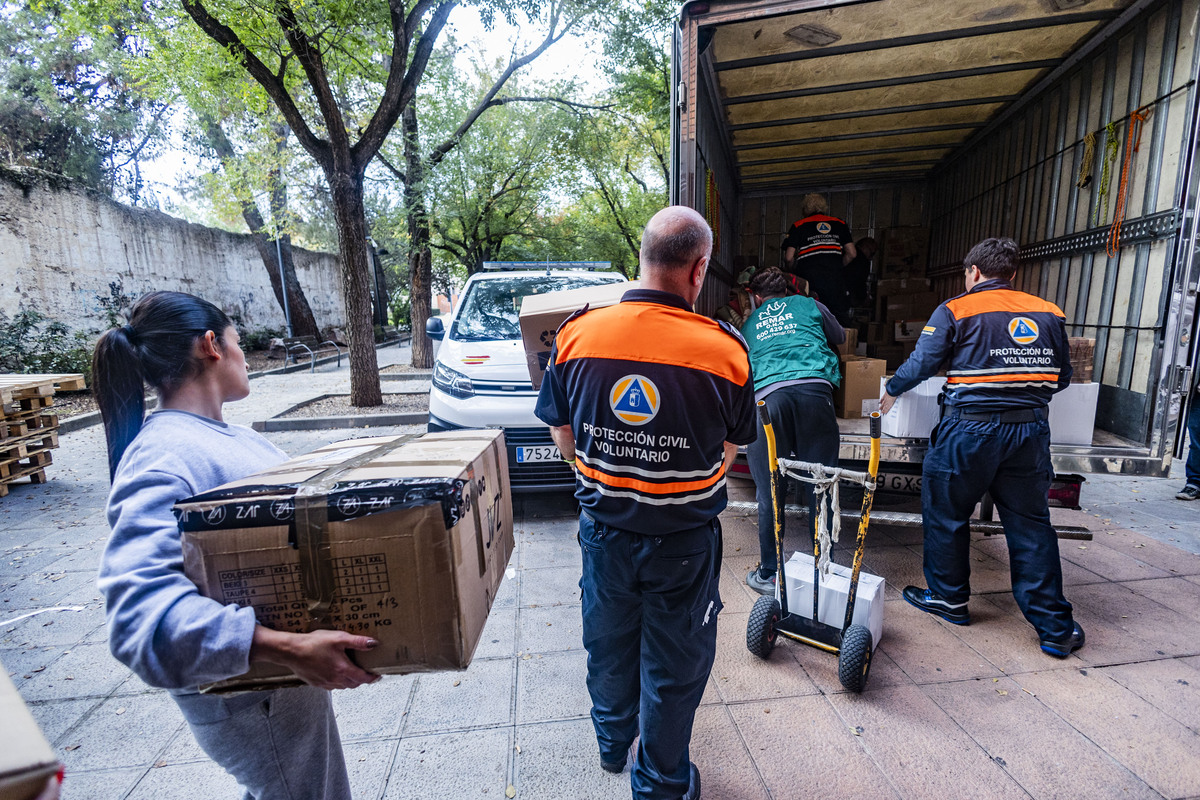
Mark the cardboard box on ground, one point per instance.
(29, 769)
(405, 539)
(542, 314)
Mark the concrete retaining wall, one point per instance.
(61, 245)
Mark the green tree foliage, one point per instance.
(67, 103)
(232, 123)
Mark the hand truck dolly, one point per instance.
(772, 616)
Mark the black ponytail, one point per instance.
(155, 348)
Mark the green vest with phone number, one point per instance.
(787, 343)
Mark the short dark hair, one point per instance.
(675, 240)
(769, 282)
(996, 257)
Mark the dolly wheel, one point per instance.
(854, 659)
(760, 630)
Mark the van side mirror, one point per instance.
(435, 328)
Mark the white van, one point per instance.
(480, 377)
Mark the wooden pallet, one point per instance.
(28, 425)
(32, 442)
(12, 384)
(12, 468)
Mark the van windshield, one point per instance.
(491, 307)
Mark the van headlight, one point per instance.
(452, 383)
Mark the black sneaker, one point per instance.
(615, 767)
(1188, 492)
(1066, 646)
(693, 792)
(758, 583)
(931, 603)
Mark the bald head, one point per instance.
(675, 239)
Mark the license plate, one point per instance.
(541, 453)
(898, 482)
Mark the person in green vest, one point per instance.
(792, 342)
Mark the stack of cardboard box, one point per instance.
(903, 300)
(1083, 358)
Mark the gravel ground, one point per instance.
(402, 368)
(339, 406)
(68, 404)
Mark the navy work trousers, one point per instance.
(650, 607)
(1192, 465)
(806, 429)
(1012, 462)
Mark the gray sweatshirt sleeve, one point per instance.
(159, 625)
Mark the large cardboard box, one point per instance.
(905, 251)
(1073, 414)
(29, 769)
(915, 412)
(541, 314)
(405, 539)
(835, 588)
(908, 330)
(891, 354)
(858, 395)
(848, 347)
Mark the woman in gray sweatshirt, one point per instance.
(282, 743)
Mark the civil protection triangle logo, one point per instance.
(1023, 330)
(634, 399)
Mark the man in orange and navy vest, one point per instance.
(821, 247)
(1005, 353)
(650, 401)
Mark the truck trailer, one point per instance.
(1069, 125)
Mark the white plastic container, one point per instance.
(1073, 414)
(915, 412)
(835, 586)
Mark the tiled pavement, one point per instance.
(950, 712)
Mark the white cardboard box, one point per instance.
(1073, 414)
(868, 606)
(915, 412)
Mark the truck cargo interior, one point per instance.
(1068, 125)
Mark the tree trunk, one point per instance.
(420, 258)
(350, 217)
(303, 321)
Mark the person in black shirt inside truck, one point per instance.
(818, 248)
(1005, 353)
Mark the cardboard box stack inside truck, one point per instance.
(1068, 125)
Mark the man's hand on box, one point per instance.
(318, 658)
(885, 403)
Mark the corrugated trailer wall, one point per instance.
(715, 196)
(868, 211)
(1020, 181)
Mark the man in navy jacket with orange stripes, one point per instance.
(650, 401)
(1005, 353)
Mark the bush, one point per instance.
(259, 339)
(32, 343)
